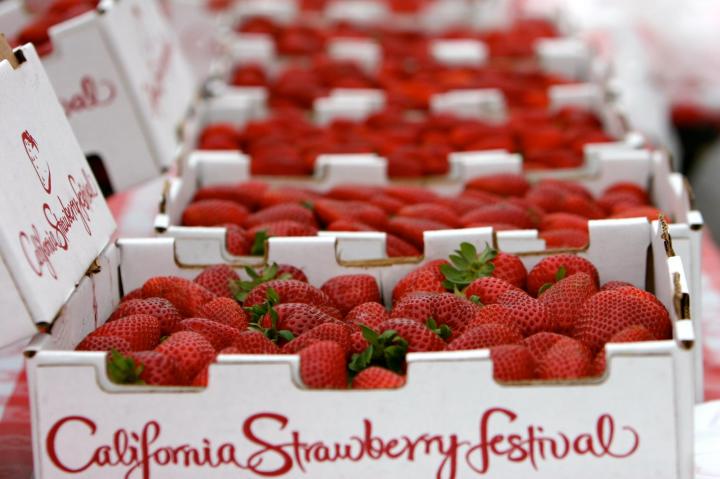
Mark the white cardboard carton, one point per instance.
(636, 420)
(121, 76)
(55, 221)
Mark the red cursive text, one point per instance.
(93, 94)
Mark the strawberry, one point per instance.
(609, 312)
(297, 318)
(161, 308)
(281, 212)
(553, 268)
(257, 235)
(348, 225)
(539, 343)
(567, 238)
(358, 341)
(648, 212)
(201, 379)
(340, 333)
(387, 203)
(631, 189)
(330, 211)
(566, 359)
(236, 242)
(134, 294)
(219, 136)
(633, 291)
(504, 212)
(376, 377)
(142, 367)
(218, 334)
(352, 192)
(397, 247)
(289, 291)
(387, 350)
(330, 311)
(632, 334)
(512, 362)
(529, 314)
(287, 195)
(438, 213)
(286, 271)
(322, 366)
(510, 268)
(616, 202)
(190, 351)
(411, 194)
(467, 266)
(419, 337)
(412, 229)
(225, 311)
(141, 331)
(570, 187)
(501, 184)
(217, 279)
(493, 314)
(615, 285)
(247, 194)
(427, 278)
(253, 342)
(214, 212)
(487, 289)
(485, 336)
(443, 309)
(564, 299)
(186, 296)
(240, 289)
(548, 198)
(104, 343)
(581, 206)
(348, 291)
(368, 314)
(563, 221)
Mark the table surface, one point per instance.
(134, 211)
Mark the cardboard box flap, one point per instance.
(156, 71)
(55, 220)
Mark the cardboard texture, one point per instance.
(55, 221)
(125, 86)
(276, 426)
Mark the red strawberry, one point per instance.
(397, 247)
(488, 289)
(368, 314)
(330, 311)
(485, 336)
(504, 212)
(235, 241)
(226, 311)
(348, 291)
(297, 318)
(568, 238)
(412, 229)
(161, 308)
(566, 359)
(278, 228)
(104, 343)
(609, 312)
(411, 194)
(565, 186)
(615, 285)
(142, 367)
(418, 336)
(493, 314)
(186, 296)
(352, 192)
(322, 366)
(348, 225)
(553, 268)
(281, 212)
(438, 213)
(134, 294)
(141, 331)
(217, 279)
(633, 291)
(510, 268)
(247, 193)
(253, 342)
(289, 291)
(648, 212)
(442, 308)
(530, 315)
(358, 342)
(632, 334)
(512, 362)
(631, 189)
(376, 377)
(563, 221)
(581, 206)
(427, 278)
(539, 343)
(286, 271)
(338, 333)
(287, 195)
(220, 335)
(190, 351)
(501, 184)
(615, 202)
(389, 204)
(564, 299)
(467, 266)
(201, 379)
(214, 212)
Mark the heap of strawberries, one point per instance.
(253, 211)
(550, 323)
(304, 38)
(36, 32)
(288, 143)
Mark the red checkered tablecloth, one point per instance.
(134, 212)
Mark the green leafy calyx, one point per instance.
(124, 369)
(386, 350)
(466, 265)
(258, 313)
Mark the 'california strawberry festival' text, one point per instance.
(140, 453)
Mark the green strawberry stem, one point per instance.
(559, 274)
(259, 311)
(123, 369)
(443, 331)
(258, 246)
(240, 289)
(466, 265)
(387, 350)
